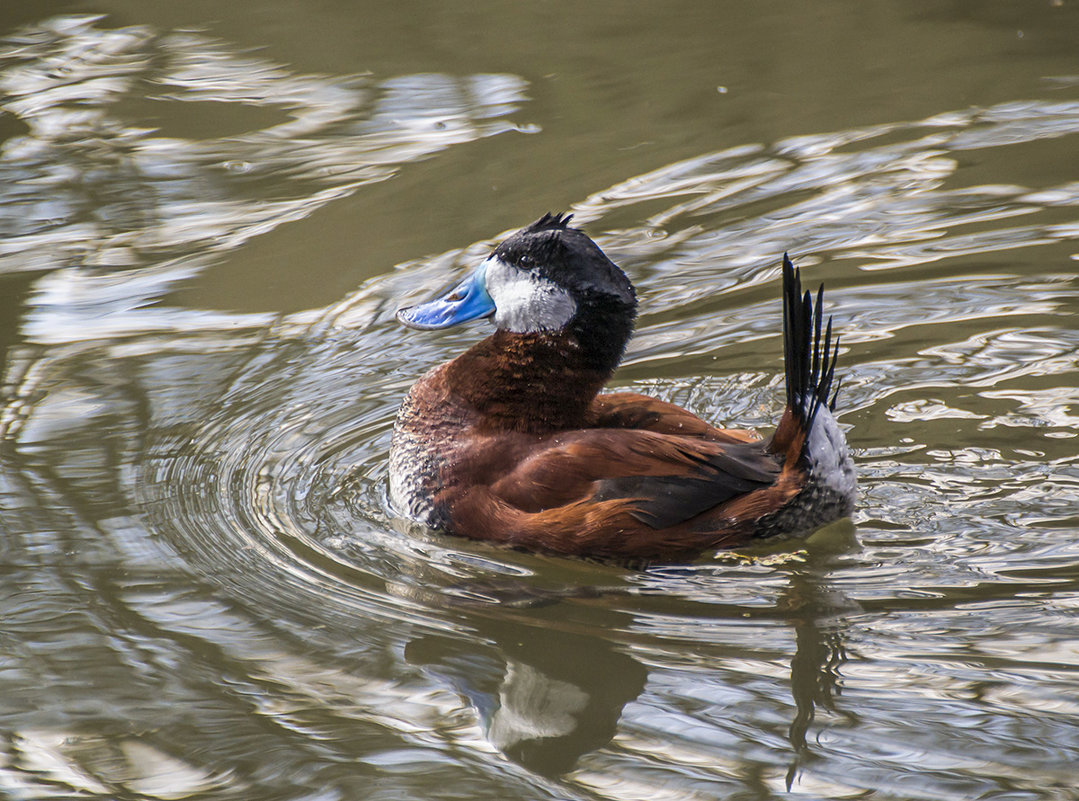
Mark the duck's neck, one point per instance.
(530, 382)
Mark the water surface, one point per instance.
(208, 218)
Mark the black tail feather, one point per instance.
(838, 384)
(809, 359)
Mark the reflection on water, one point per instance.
(202, 569)
(88, 184)
(544, 695)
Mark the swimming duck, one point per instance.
(513, 442)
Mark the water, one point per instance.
(208, 218)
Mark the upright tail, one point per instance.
(809, 360)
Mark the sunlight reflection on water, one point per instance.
(217, 480)
(84, 187)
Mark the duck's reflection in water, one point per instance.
(545, 696)
(547, 693)
(817, 615)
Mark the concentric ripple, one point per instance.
(284, 477)
(194, 503)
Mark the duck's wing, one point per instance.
(622, 494)
(634, 411)
(585, 482)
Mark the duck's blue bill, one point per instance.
(467, 301)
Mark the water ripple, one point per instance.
(195, 503)
(86, 187)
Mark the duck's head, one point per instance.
(546, 278)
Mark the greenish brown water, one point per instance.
(207, 219)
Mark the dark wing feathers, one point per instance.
(746, 461)
(660, 501)
(663, 480)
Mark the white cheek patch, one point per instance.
(526, 303)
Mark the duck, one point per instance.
(515, 442)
